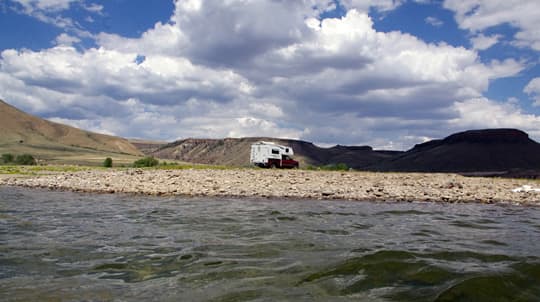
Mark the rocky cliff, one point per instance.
(488, 150)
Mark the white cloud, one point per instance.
(481, 42)
(484, 113)
(434, 21)
(66, 40)
(90, 125)
(533, 89)
(163, 39)
(245, 126)
(31, 6)
(364, 5)
(93, 7)
(50, 12)
(117, 74)
(479, 15)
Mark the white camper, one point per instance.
(272, 155)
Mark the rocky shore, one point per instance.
(289, 184)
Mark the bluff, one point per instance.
(487, 150)
(236, 152)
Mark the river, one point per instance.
(62, 246)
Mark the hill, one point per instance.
(236, 151)
(146, 146)
(505, 151)
(24, 133)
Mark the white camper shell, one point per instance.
(272, 155)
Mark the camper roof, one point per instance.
(286, 149)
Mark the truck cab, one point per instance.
(272, 155)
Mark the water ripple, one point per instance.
(71, 247)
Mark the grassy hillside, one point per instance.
(24, 133)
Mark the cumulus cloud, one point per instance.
(479, 15)
(484, 113)
(228, 68)
(240, 30)
(158, 79)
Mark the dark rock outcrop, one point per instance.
(489, 150)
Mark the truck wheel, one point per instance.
(273, 166)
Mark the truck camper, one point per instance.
(272, 155)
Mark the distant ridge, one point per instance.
(20, 131)
(147, 146)
(235, 151)
(496, 152)
(486, 150)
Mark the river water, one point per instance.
(61, 246)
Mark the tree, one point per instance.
(25, 159)
(7, 158)
(149, 161)
(107, 163)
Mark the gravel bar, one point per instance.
(295, 184)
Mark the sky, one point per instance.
(386, 73)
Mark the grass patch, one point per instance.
(35, 170)
(13, 170)
(331, 167)
(174, 166)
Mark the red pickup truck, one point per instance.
(284, 162)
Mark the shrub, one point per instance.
(342, 167)
(335, 167)
(25, 159)
(146, 162)
(107, 163)
(7, 158)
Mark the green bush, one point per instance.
(342, 167)
(25, 159)
(107, 163)
(7, 158)
(146, 162)
(331, 167)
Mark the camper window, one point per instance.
(275, 151)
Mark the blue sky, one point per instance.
(384, 73)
